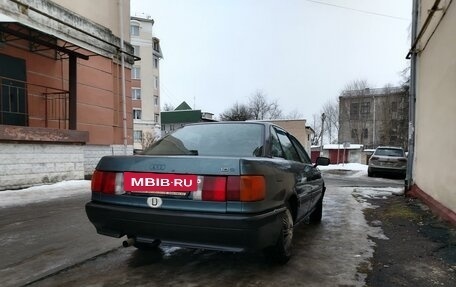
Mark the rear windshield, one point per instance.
(389, 152)
(240, 140)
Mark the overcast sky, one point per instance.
(300, 52)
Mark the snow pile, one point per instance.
(377, 192)
(43, 192)
(344, 166)
(356, 169)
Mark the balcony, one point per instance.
(25, 104)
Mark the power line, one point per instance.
(358, 10)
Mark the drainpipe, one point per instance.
(124, 98)
(412, 98)
(373, 129)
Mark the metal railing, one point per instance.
(26, 104)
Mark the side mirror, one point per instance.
(321, 160)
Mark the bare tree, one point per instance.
(331, 128)
(148, 138)
(167, 107)
(294, 115)
(358, 87)
(238, 112)
(262, 109)
(405, 74)
(316, 126)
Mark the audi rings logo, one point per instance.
(158, 166)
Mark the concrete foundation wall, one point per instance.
(23, 165)
(26, 164)
(93, 153)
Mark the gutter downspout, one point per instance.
(412, 97)
(124, 98)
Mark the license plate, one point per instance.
(159, 182)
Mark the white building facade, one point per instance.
(145, 77)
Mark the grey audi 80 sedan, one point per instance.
(230, 186)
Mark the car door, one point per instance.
(314, 179)
(300, 172)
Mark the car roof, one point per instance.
(236, 122)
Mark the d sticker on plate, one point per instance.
(154, 202)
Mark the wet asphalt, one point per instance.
(53, 244)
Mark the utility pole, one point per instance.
(323, 117)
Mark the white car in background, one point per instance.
(387, 160)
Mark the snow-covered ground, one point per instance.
(43, 192)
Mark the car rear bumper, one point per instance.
(387, 169)
(228, 232)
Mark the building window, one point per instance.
(136, 93)
(156, 46)
(171, 127)
(136, 50)
(365, 133)
(156, 118)
(156, 82)
(163, 128)
(354, 111)
(156, 101)
(365, 108)
(137, 136)
(134, 30)
(155, 62)
(136, 73)
(137, 114)
(354, 134)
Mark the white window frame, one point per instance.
(156, 101)
(156, 62)
(136, 50)
(135, 135)
(136, 73)
(134, 27)
(137, 114)
(136, 93)
(156, 82)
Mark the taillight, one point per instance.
(374, 158)
(246, 188)
(107, 182)
(214, 188)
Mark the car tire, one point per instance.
(370, 173)
(281, 252)
(316, 215)
(147, 246)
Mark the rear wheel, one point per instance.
(370, 173)
(315, 216)
(281, 251)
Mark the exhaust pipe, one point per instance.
(129, 242)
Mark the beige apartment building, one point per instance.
(432, 158)
(145, 87)
(62, 83)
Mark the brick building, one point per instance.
(61, 82)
